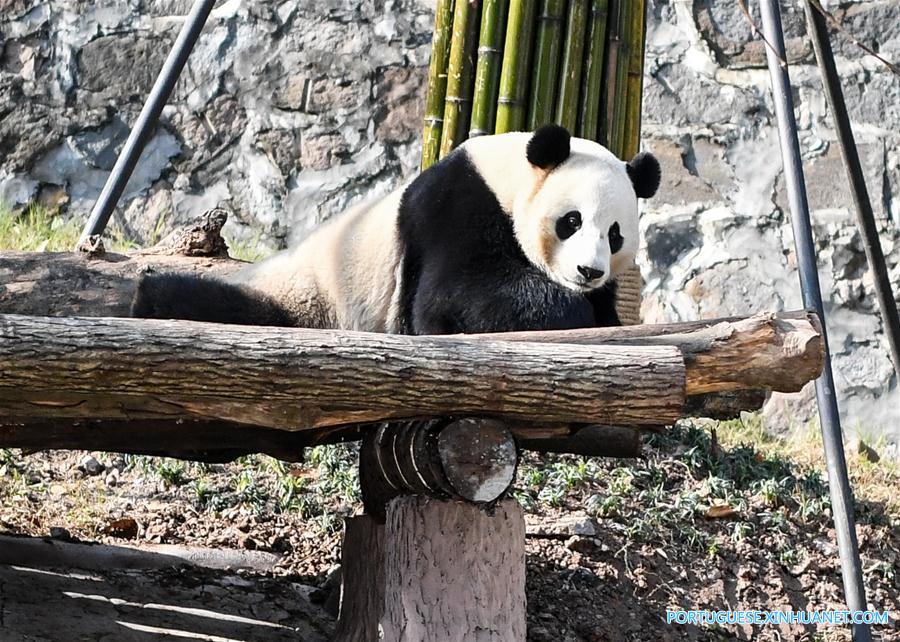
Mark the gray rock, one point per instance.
(90, 466)
(562, 526)
(122, 66)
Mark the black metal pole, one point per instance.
(146, 121)
(829, 418)
(865, 218)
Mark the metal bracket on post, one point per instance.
(829, 418)
(146, 121)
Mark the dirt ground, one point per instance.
(612, 544)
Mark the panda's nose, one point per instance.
(589, 273)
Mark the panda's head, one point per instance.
(574, 205)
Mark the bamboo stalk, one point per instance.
(635, 83)
(546, 63)
(437, 82)
(460, 70)
(589, 125)
(608, 100)
(487, 71)
(573, 57)
(511, 103)
(626, 10)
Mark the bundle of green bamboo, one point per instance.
(514, 65)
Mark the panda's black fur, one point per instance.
(183, 296)
(463, 270)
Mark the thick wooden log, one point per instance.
(102, 284)
(765, 352)
(362, 580)
(453, 571)
(592, 441)
(296, 379)
(770, 351)
(473, 459)
(206, 440)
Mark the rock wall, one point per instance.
(718, 238)
(285, 112)
(289, 111)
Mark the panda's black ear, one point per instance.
(548, 147)
(643, 170)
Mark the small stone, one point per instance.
(581, 544)
(578, 523)
(112, 479)
(866, 451)
(90, 466)
(60, 533)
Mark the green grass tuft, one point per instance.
(37, 229)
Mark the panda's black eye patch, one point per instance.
(568, 224)
(615, 238)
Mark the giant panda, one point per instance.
(508, 232)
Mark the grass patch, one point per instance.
(872, 482)
(41, 229)
(37, 229)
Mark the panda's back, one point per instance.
(345, 274)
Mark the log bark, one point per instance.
(780, 352)
(294, 379)
(592, 441)
(78, 284)
(210, 441)
(362, 580)
(454, 572)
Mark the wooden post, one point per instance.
(454, 572)
(362, 580)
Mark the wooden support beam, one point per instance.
(296, 379)
(362, 580)
(207, 440)
(592, 441)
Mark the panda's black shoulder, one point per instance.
(450, 206)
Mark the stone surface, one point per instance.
(286, 113)
(718, 238)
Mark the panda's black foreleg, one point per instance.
(603, 301)
(183, 296)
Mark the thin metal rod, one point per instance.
(146, 121)
(829, 418)
(865, 218)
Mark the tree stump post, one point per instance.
(362, 580)
(454, 571)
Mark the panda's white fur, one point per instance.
(592, 180)
(367, 269)
(347, 271)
